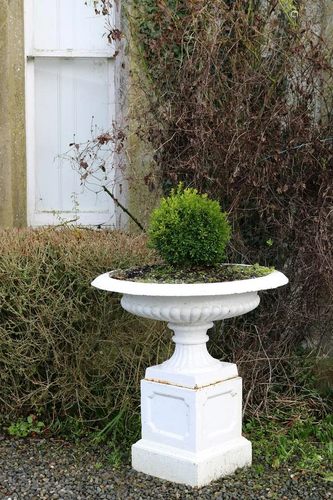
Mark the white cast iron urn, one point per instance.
(191, 405)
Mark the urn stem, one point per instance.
(191, 354)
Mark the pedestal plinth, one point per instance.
(191, 436)
(191, 413)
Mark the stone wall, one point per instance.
(143, 190)
(12, 116)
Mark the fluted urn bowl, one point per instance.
(190, 310)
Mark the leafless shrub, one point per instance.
(240, 97)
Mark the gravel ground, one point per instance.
(51, 469)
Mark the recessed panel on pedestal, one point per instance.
(168, 415)
(220, 413)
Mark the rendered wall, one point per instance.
(144, 190)
(143, 185)
(12, 116)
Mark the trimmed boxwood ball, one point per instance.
(188, 229)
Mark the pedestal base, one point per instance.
(191, 436)
(192, 469)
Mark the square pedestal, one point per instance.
(191, 436)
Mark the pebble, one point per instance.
(31, 469)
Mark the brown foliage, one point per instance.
(240, 98)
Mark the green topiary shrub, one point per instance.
(189, 229)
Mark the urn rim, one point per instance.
(268, 282)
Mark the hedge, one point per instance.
(66, 348)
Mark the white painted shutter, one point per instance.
(70, 98)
